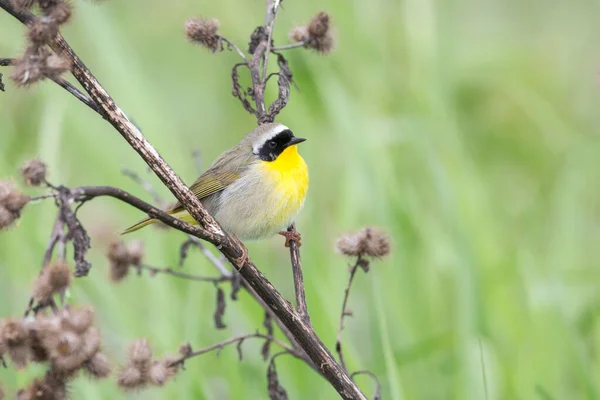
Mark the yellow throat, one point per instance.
(288, 174)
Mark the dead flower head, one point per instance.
(54, 279)
(34, 172)
(11, 203)
(316, 35)
(204, 32)
(367, 242)
(14, 340)
(141, 370)
(121, 257)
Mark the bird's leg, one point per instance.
(289, 236)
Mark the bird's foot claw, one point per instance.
(289, 236)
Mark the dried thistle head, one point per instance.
(118, 256)
(316, 35)
(48, 5)
(130, 378)
(121, 257)
(185, 349)
(11, 203)
(52, 387)
(203, 31)
(42, 31)
(140, 353)
(98, 366)
(54, 279)
(60, 13)
(30, 68)
(14, 337)
(56, 65)
(367, 242)
(78, 320)
(34, 172)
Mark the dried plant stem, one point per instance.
(298, 278)
(345, 313)
(172, 272)
(288, 46)
(238, 339)
(271, 16)
(377, 394)
(235, 47)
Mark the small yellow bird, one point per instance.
(253, 190)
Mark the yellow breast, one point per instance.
(288, 174)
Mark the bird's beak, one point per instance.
(296, 140)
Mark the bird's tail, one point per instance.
(139, 225)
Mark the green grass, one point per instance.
(466, 129)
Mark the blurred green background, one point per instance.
(465, 129)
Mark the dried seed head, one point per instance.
(42, 31)
(140, 353)
(56, 65)
(319, 25)
(368, 242)
(91, 342)
(60, 13)
(34, 172)
(299, 34)
(158, 373)
(30, 68)
(13, 333)
(317, 35)
(11, 203)
(135, 252)
(78, 320)
(10, 197)
(52, 387)
(185, 349)
(67, 344)
(204, 32)
(118, 255)
(48, 5)
(6, 218)
(54, 279)
(38, 390)
(130, 378)
(98, 366)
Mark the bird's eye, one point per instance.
(272, 144)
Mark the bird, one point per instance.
(255, 189)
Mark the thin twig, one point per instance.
(287, 46)
(377, 394)
(272, 7)
(298, 277)
(345, 313)
(232, 45)
(236, 339)
(172, 272)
